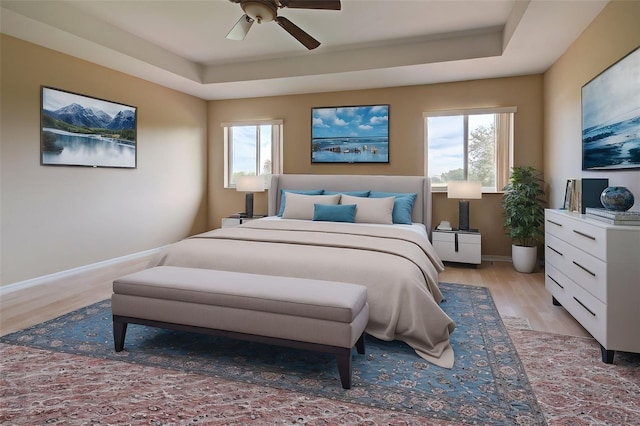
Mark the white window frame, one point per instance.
(504, 144)
(277, 131)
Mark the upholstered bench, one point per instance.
(315, 315)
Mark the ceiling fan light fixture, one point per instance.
(259, 11)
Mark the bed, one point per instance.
(393, 259)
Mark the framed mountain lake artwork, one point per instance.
(350, 134)
(611, 117)
(78, 130)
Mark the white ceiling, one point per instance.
(181, 44)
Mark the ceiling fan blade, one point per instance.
(304, 38)
(241, 28)
(311, 4)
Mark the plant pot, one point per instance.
(524, 258)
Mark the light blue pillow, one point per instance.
(352, 193)
(402, 206)
(334, 212)
(283, 197)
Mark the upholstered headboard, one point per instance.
(418, 184)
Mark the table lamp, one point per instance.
(249, 184)
(464, 190)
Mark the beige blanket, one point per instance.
(399, 267)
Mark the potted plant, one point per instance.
(524, 215)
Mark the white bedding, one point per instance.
(396, 263)
(415, 227)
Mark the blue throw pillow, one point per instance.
(352, 193)
(283, 197)
(402, 206)
(334, 212)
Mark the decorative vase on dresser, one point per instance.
(592, 269)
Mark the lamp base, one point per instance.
(463, 213)
(248, 204)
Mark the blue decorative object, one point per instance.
(617, 198)
(334, 212)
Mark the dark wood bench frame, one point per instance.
(343, 355)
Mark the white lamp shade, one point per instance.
(250, 184)
(464, 190)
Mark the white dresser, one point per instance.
(593, 270)
(457, 246)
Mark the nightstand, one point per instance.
(235, 221)
(458, 246)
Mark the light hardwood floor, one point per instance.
(29, 306)
(515, 294)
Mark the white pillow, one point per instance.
(371, 210)
(300, 206)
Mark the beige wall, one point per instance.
(613, 34)
(406, 123)
(58, 218)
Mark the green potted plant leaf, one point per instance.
(523, 205)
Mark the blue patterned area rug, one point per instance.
(486, 386)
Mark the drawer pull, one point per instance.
(551, 248)
(582, 234)
(583, 305)
(583, 268)
(555, 223)
(556, 282)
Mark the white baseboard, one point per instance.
(74, 272)
(496, 258)
(506, 259)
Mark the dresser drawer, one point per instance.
(587, 271)
(587, 236)
(584, 307)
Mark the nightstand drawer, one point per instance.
(467, 250)
(463, 238)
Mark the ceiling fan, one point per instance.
(267, 10)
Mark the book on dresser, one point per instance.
(613, 221)
(613, 217)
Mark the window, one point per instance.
(252, 148)
(469, 145)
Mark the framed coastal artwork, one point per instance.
(79, 130)
(350, 134)
(611, 117)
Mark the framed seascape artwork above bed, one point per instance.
(78, 130)
(611, 117)
(350, 134)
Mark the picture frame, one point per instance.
(611, 117)
(568, 194)
(80, 130)
(350, 134)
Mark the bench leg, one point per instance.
(119, 331)
(344, 367)
(360, 344)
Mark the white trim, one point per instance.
(469, 111)
(91, 268)
(493, 258)
(277, 122)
